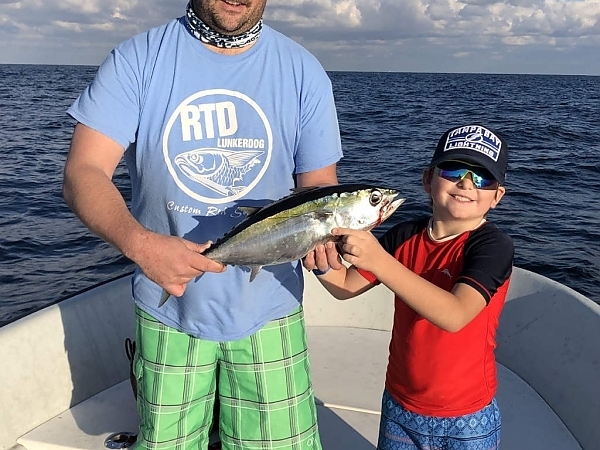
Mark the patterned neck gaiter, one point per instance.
(209, 36)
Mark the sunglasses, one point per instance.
(457, 171)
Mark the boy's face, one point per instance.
(461, 199)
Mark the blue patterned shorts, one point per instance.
(404, 430)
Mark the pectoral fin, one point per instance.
(321, 214)
(318, 215)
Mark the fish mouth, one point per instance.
(390, 206)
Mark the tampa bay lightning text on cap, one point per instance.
(476, 138)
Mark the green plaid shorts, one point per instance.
(266, 396)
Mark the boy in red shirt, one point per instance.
(450, 274)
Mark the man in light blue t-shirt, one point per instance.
(212, 112)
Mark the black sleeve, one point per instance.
(488, 260)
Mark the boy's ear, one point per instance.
(426, 179)
(500, 191)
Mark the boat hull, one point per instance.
(67, 353)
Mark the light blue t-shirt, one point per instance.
(204, 134)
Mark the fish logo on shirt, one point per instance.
(218, 169)
(217, 146)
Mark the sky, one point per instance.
(444, 36)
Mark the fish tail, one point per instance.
(166, 296)
(163, 298)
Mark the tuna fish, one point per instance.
(288, 229)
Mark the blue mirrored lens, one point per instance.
(480, 180)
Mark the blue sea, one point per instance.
(390, 123)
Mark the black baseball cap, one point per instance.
(473, 144)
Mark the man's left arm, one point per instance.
(325, 176)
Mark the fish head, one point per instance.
(368, 207)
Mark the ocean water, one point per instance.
(390, 123)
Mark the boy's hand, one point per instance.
(323, 257)
(360, 248)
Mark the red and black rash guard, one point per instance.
(435, 372)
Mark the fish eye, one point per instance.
(375, 198)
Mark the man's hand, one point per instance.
(172, 262)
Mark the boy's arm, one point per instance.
(450, 311)
(344, 283)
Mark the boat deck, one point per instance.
(348, 366)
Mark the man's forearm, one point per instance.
(94, 198)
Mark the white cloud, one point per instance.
(316, 13)
(406, 35)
